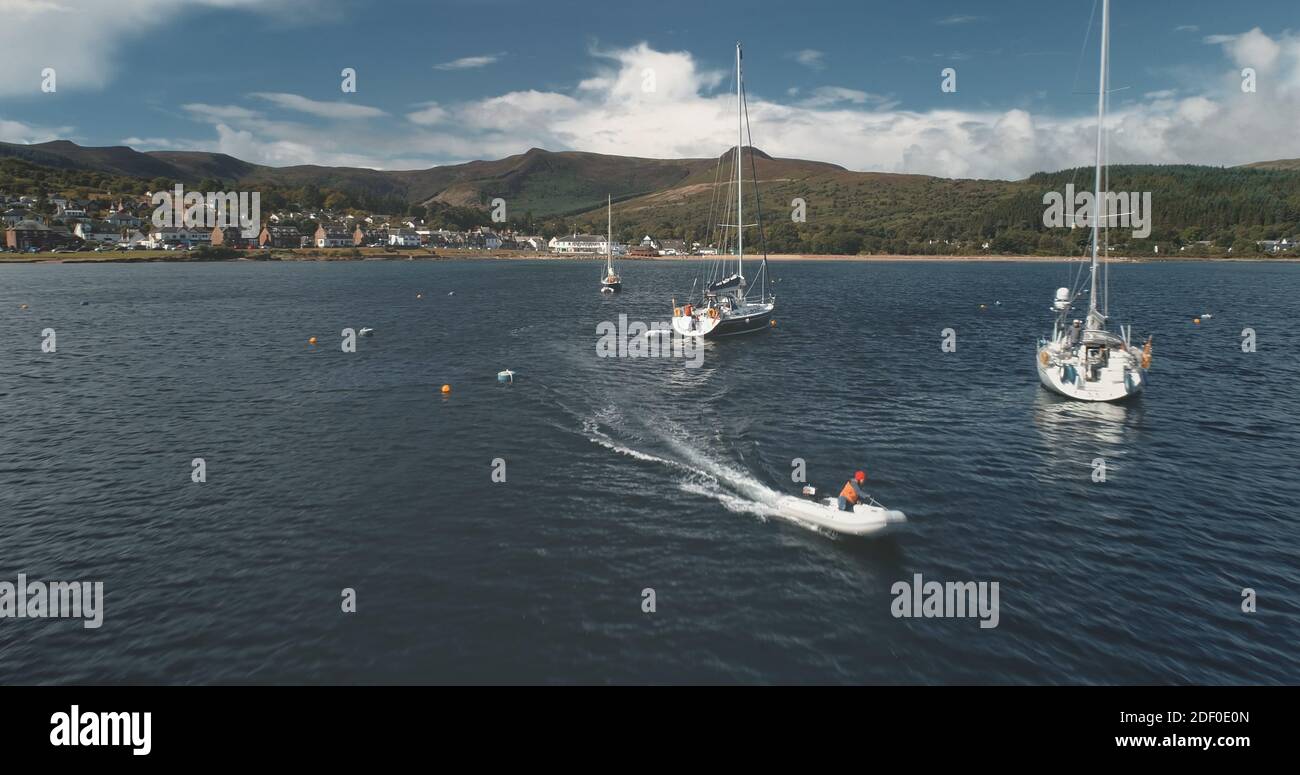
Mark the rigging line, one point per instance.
(758, 202)
(1105, 253)
(711, 232)
(1087, 35)
(1078, 66)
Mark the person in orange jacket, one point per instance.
(853, 492)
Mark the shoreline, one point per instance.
(326, 255)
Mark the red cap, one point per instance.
(860, 476)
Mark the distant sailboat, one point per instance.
(611, 282)
(1084, 360)
(724, 308)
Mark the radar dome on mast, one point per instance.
(1062, 301)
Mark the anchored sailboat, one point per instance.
(611, 282)
(724, 308)
(1083, 359)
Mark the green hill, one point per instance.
(847, 212)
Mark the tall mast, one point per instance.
(609, 234)
(1097, 201)
(740, 172)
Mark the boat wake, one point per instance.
(703, 475)
(698, 468)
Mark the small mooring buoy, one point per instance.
(446, 389)
(506, 377)
(312, 341)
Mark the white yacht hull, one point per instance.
(745, 320)
(1061, 370)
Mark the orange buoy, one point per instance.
(1197, 321)
(312, 340)
(446, 389)
(773, 323)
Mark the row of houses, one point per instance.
(35, 233)
(599, 244)
(339, 235)
(128, 225)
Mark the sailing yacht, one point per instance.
(611, 282)
(1083, 359)
(724, 307)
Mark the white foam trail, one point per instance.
(736, 490)
(733, 503)
(596, 436)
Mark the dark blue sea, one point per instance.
(329, 470)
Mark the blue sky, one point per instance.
(853, 83)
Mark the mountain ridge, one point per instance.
(846, 211)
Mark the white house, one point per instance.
(177, 236)
(402, 238)
(97, 231)
(137, 238)
(1276, 245)
(579, 243)
(333, 237)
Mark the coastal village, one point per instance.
(65, 224)
(69, 225)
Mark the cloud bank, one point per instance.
(641, 101)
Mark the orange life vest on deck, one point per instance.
(848, 493)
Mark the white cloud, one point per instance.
(334, 110)
(810, 57)
(823, 96)
(469, 63)
(80, 38)
(18, 132)
(427, 113)
(1249, 49)
(687, 114)
(225, 112)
